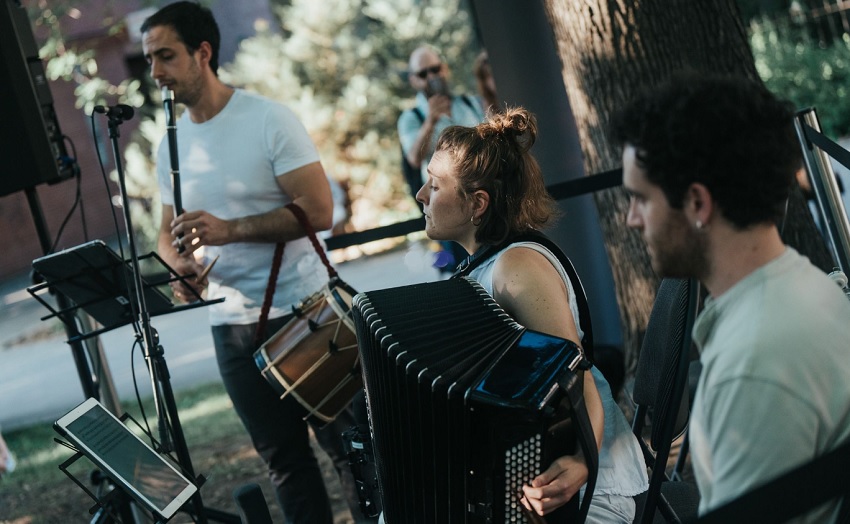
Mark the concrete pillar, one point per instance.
(527, 70)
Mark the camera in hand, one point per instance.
(437, 86)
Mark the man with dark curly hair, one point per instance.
(709, 163)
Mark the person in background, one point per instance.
(486, 83)
(435, 109)
(709, 162)
(243, 158)
(485, 189)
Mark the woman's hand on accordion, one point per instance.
(530, 289)
(556, 486)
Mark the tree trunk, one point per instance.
(610, 50)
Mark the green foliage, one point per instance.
(797, 67)
(79, 66)
(341, 66)
(140, 179)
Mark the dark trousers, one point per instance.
(278, 431)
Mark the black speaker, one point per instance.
(32, 149)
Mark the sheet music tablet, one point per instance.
(125, 458)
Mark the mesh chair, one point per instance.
(694, 371)
(661, 395)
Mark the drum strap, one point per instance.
(308, 228)
(275, 270)
(269, 295)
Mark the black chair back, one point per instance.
(660, 386)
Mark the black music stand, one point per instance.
(125, 286)
(94, 278)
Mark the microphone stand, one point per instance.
(171, 432)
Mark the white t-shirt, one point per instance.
(228, 167)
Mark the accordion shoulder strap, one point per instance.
(573, 386)
(536, 236)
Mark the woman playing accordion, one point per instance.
(484, 189)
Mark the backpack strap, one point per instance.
(792, 493)
(472, 105)
(419, 114)
(466, 100)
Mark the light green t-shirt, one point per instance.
(775, 386)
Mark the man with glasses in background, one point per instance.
(420, 126)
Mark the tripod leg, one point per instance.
(107, 515)
(102, 516)
(117, 509)
(100, 367)
(178, 439)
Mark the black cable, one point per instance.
(136, 387)
(78, 199)
(78, 174)
(106, 186)
(135, 323)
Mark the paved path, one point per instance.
(39, 381)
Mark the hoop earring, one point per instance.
(472, 221)
(698, 224)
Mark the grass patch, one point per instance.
(205, 411)
(37, 492)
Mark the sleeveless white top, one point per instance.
(622, 470)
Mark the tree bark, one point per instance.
(612, 49)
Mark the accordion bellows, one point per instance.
(464, 403)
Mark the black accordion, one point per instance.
(465, 405)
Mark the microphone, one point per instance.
(120, 111)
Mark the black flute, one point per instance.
(171, 130)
